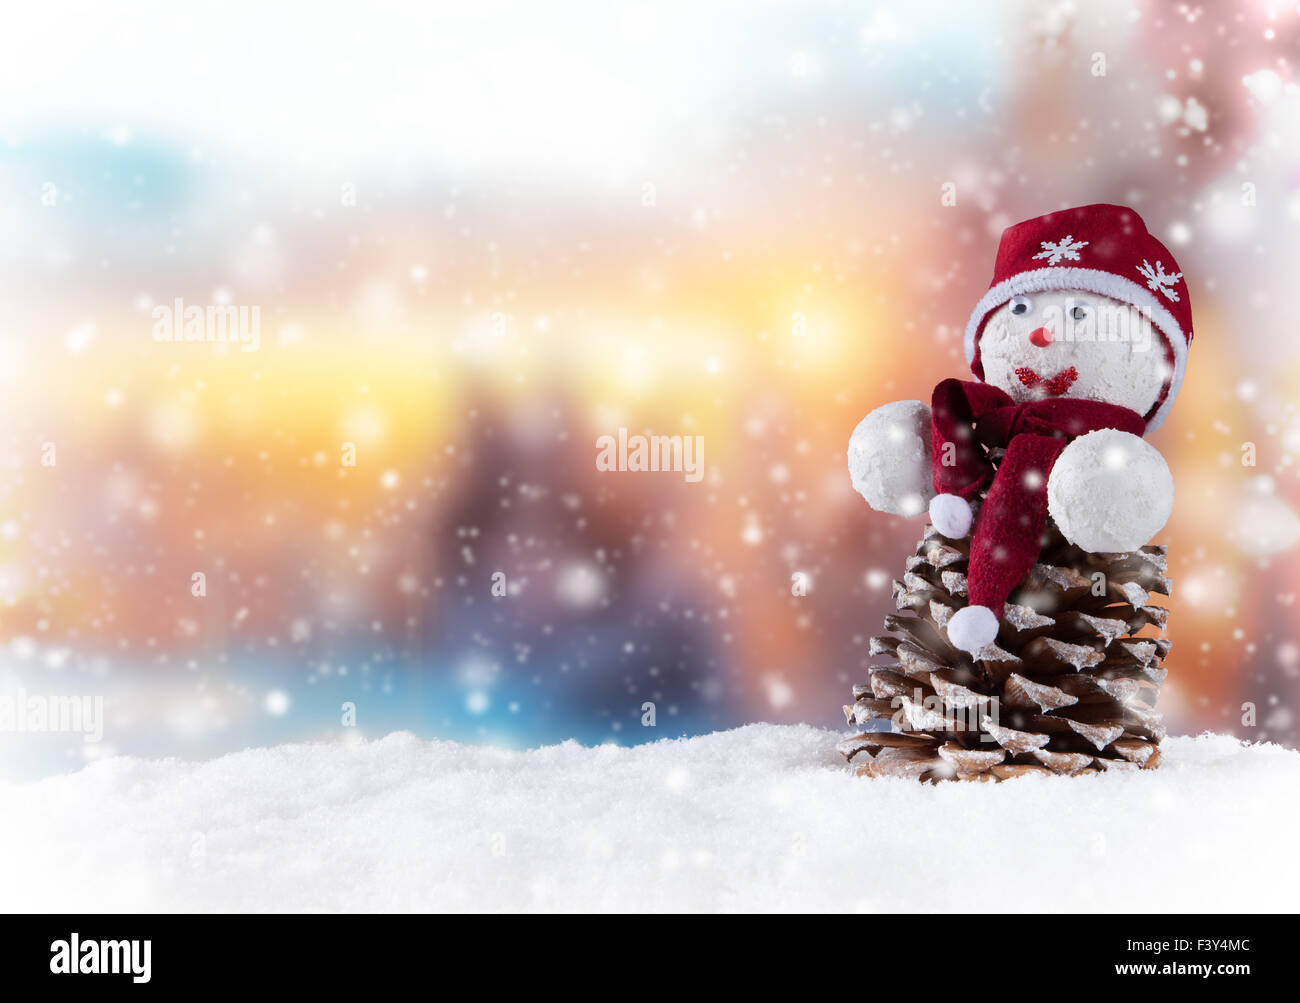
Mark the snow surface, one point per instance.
(764, 817)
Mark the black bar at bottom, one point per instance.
(214, 952)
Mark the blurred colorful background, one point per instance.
(480, 236)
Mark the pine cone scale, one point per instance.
(1068, 688)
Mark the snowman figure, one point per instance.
(1078, 349)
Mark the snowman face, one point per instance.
(1072, 343)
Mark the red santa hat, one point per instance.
(1103, 249)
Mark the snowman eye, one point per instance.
(1020, 305)
(1078, 312)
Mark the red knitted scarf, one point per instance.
(970, 418)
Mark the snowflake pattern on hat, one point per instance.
(1067, 248)
(1159, 280)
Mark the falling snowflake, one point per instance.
(1067, 248)
(1159, 280)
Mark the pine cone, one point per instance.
(1068, 687)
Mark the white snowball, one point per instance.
(951, 515)
(1110, 491)
(972, 628)
(889, 458)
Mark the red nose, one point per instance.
(1040, 337)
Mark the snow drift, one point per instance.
(760, 818)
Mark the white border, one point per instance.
(1104, 283)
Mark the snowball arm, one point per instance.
(1110, 492)
(889, 458)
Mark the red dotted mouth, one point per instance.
(1052, 387)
